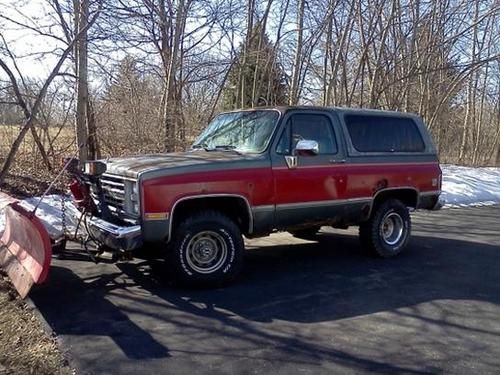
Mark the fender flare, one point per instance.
(216, 195)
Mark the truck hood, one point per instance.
(153, 165)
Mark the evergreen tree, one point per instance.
(257, 78)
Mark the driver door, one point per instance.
(308, 184)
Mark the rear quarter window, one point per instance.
(384, 134)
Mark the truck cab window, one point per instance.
(312, 127)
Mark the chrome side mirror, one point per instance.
(307, 147)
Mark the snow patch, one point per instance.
(49, 212)
(466, 186)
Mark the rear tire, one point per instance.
(388, 230)
(207, 250)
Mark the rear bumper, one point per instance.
(438, 205)
(115, 236)
(430, 201)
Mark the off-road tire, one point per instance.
(196, 240)
(306, 233)
(374, 234)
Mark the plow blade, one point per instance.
(25, 249)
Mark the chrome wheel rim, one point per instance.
(206, 252)
(392, 228)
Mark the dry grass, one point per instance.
(26, 348)
(57, 143)
(29, 175)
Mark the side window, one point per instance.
(311, 127)
(384, 134)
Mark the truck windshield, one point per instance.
(246, 131)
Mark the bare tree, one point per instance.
(30, 113)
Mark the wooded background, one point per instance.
(136, 76)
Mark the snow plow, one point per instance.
(25, 248)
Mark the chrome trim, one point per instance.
(429, 193)
(115, 230)
(113, 175)
(265, 207)
(312, 204)
(291, 161)
(190, 197)
(307, 145)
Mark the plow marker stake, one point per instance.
(25, 249)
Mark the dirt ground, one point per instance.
(25, 348)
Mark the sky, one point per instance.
(30, 48)
(27, 46)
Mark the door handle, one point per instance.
(337, 161)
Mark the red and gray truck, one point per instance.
(254, 172)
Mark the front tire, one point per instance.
(388, 230)
(207, 250)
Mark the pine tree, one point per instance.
(256, 79)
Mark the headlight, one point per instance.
(132, 197)
(134, 192)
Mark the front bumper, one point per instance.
(115, 236)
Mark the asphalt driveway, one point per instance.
(300, 307)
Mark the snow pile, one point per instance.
(466, 186)
(50, 213)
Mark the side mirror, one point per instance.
(306, 147)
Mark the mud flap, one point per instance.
(25, 250)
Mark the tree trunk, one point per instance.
(82, 133)
(94, 150)
(294, 85)
(171, 63)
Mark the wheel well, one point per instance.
(236, 208)
(408, 196)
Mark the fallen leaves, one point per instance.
(26, 347)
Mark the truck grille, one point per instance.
(113, 188)
(117, 193)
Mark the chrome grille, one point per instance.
(114, 192)
(113, 188)
(119, 194)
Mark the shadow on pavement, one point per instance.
(307, 283)
(314, 282)
(333, 279)
(79, 307)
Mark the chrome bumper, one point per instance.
(114, 236)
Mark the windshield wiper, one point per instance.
(227, 148)
(201, 145)
(216, 148)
